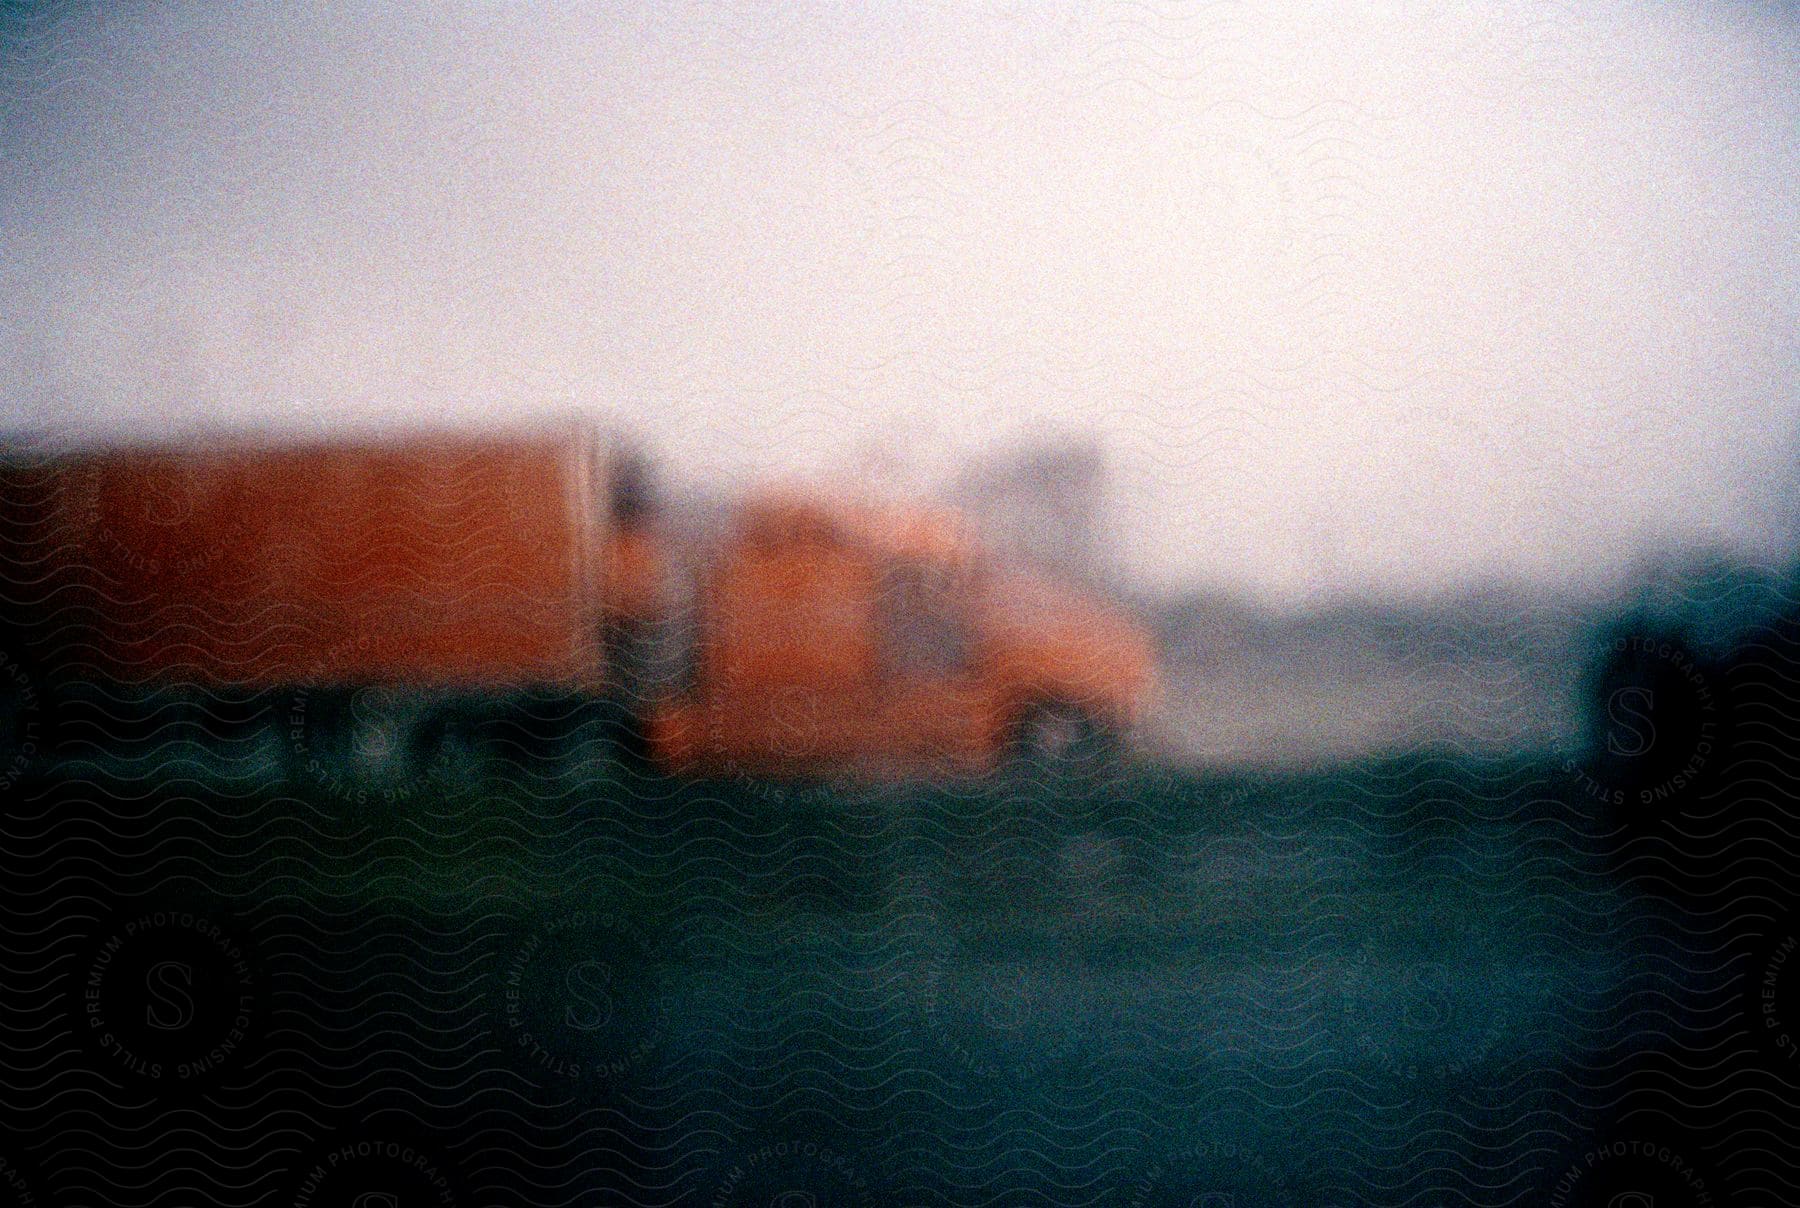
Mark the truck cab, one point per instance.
(834, 635)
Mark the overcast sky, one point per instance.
(1382, 297)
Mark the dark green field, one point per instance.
(1384, 983)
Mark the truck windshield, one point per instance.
(924, 619)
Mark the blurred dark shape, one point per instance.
(1657, 720)
(1693, 753)
(1693, 699)
(635, 493)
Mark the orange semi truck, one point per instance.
(400, 589)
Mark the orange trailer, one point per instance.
(433, 560)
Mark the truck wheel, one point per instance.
(1062, 740)
(377, 738)
(363, 738)
(451, 744)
